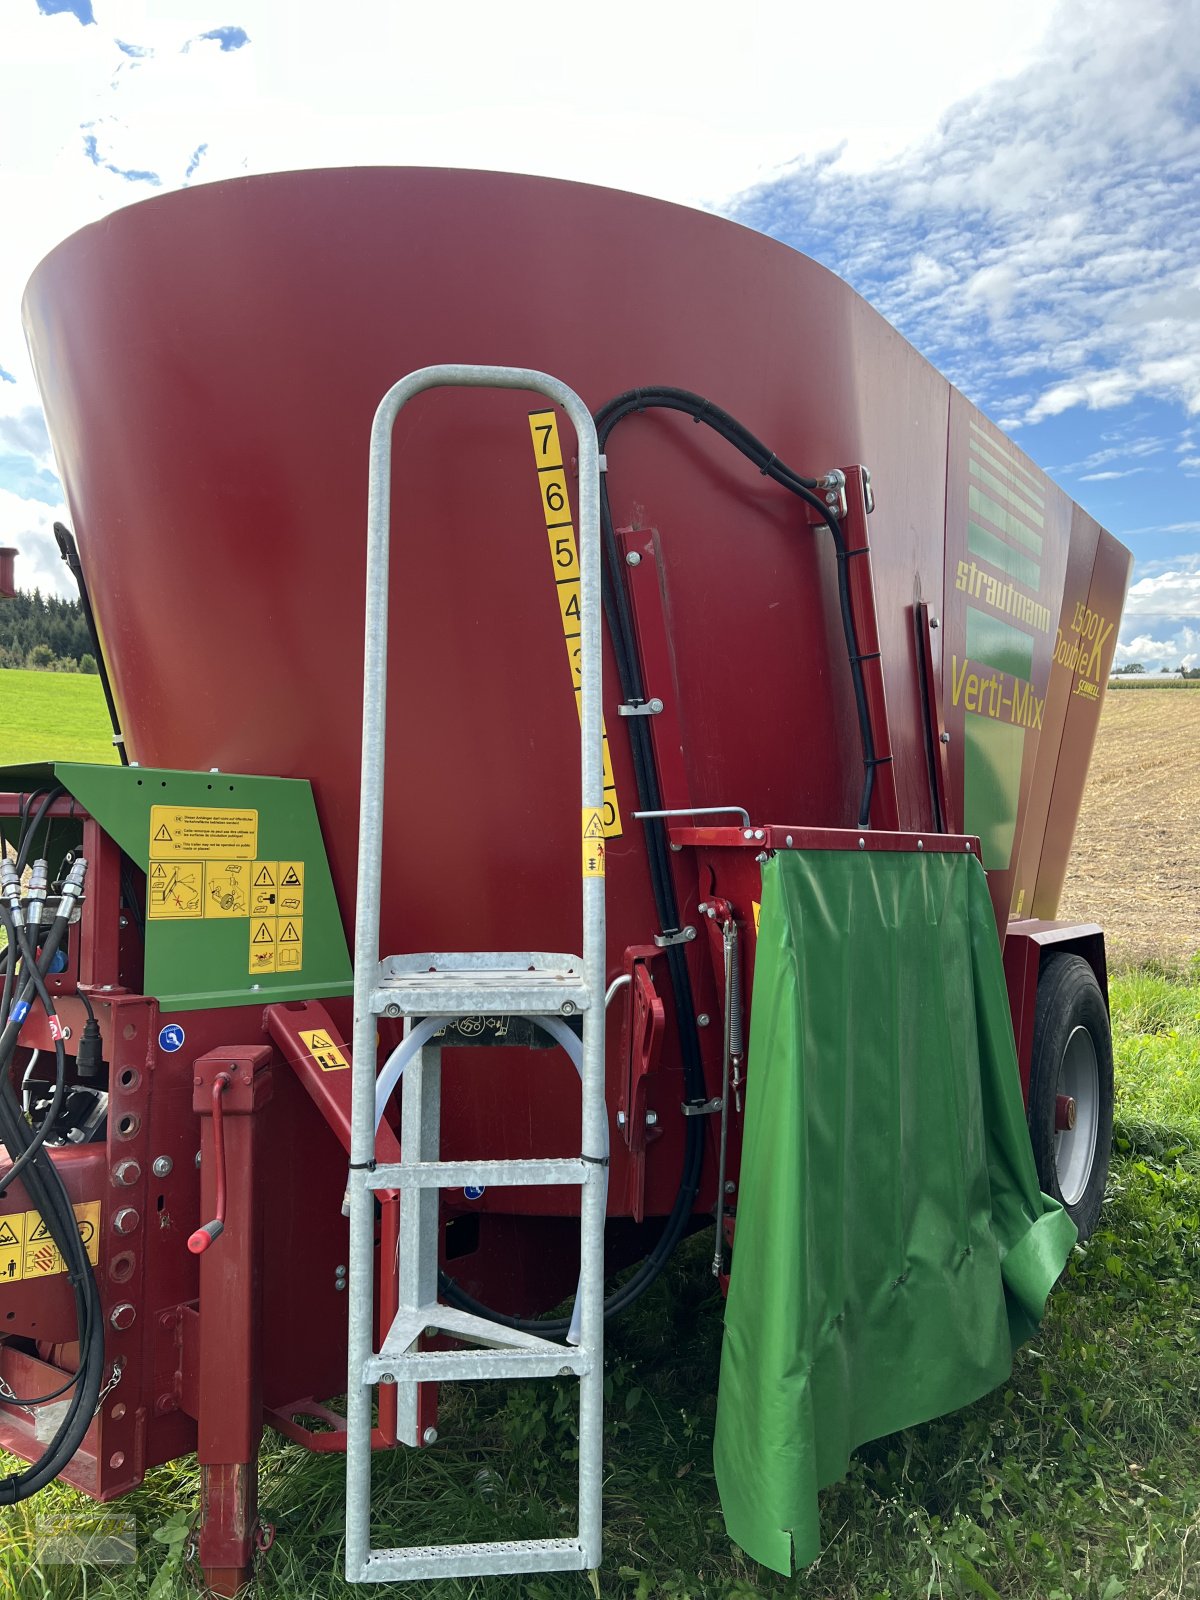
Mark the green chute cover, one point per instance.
(893, 1248)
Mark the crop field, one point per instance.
(1079, 1479)
(1136, 864)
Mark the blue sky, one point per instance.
(1014, 187)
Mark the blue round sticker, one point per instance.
(474, 1191)
(171, 1038)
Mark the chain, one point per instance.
(117, 1373)
(8, 1394)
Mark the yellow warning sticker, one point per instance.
(757, 910)
(564, 557)
(593, 842)
(289, 943)
(276, 944)
(27, 1249)
(262, 944)
(227, 889)
(264, 888)
(322, 1049)
(12, 1248)
(291, 888)
(175, 889)
(202, 833)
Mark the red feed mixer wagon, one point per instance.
(676, 845)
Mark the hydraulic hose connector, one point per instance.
(10, 886)
(35, 894)
(72, 889)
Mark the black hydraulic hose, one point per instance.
(768, 463)
(44, 1186)
(69, 551)
(36, 983)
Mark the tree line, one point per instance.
(44, 632)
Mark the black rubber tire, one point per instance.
(1068, 997)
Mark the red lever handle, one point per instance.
(199, 1241)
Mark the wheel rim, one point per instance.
(1075, 1148)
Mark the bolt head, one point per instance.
(920, 844)
(391, 1011)
(731, 1187)
(163, 1166)
(933, 622)
(620, 1119)
(787, 839)
(703, 1020)
(759, 834)
(862, 844)
(652, 1119)
(197, 1158)
(430, 1436)
(123, 1316)
(945, 738)
(126, 1220)
(633, 559)
(387, 1377)
(126, 1173)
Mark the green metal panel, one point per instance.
(222, 927)
(993, 754)
(892, 1246)
(998, 644)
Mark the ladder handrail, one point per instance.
(370, 868)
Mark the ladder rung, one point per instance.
(484, 983)
(469, 1366)
(496, 1174)
(476, 994)
(471, 1560)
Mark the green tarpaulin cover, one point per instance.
(892, 1246)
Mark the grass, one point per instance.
(1078, 1480)
(59, 712)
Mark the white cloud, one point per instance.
(1178, 649)
(1174, 593)
(1106, 477)
(26, 525)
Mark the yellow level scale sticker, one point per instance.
(202, 833)
(322, 1049)
(27, 1249)
(564, 557)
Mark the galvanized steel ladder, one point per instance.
(438, 987)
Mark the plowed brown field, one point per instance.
(1135, 867)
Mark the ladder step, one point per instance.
(479, 983)
(473, 1366)
(495, 1174)
(472, 1560)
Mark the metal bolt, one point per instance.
(122, 922)
(702, 907)
(677, 848)
(126, 1173)
(387, 1377)
(391, 1011)
(655, 705)
(702, 1020)
(163, 1167)
(197, 1158)
(339, 1285)
(567, 1008)
(633, 559)
(731, 1187)
(933, 622)
(967, 846)
(620, 1119)
(123, 1316)
(945, 738)
(787, 839)
(862, 844)
(749, 833)
(165, 1404)
(429, 1436)
(652, 1119)
(831, 499)
(126, 1220)
(920, 844)
(759, 834)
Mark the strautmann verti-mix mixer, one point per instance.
(787, 937)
